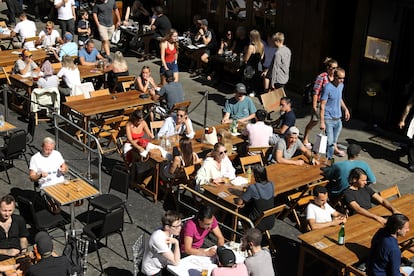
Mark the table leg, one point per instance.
(72, 216)
(157, 180)
(301, 261)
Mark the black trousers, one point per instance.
(14, 8)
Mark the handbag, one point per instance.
(320, 144)
(210, 137)
(116, 36)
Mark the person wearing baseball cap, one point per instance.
(25, 65)
(240, 107)
(286, 148)
(69, 47)
(227, 265)
(50, 263)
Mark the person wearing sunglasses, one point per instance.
(48, 37)
(177, 124)
(215, 168)
(25, 66)
(163, 247)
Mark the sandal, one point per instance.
(340, 153)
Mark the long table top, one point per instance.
(284, 177)
(9, 57)
(107, 103)
(359, 232)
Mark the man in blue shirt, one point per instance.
(240, 107)
(68, 48)
(89, 55)
(338, 173)
(385, 254)
(331, 114)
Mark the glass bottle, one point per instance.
(341, 235)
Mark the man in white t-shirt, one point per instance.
(162, 248)
(49, 36)
(319, 214)
(66, 15)
(25, 28)
(47, 167)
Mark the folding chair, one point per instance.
(97, 93)
(391, 192)
(180, 105)
(248, 160)
(108, 129)
(121, 80)
(155, 125)
(43, 99)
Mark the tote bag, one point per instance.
(320, 144)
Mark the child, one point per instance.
(84, 28)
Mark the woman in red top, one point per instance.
(136, 128)
(169, 55)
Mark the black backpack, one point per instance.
(74, 256)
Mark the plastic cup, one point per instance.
(66, 179)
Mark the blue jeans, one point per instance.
(333, 129)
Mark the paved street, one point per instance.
(381, 151)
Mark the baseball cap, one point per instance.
(68, 36)
(293, 131)
(43, 242)
(353, 150)
(319, 190)
(226, 256)
(241, 88)
(26, 53)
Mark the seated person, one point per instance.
(70, 75)
(24, 29)
(259, 133)
(118, 67)
(319, 214)
(241, 41)
(47, 167)
(286, 148)
(144, 82)
(288, 118)
(69, 48)
(50, 263)
(206, 37)
(183, 157)
(49, 36)
(215, 167)
(240, 107)
(13, 237)
(163, 248)
(385, 253)
(25, 65)
(172, 92)
(358, 196)
(89, 55)
(177, 124)
(48, 80)
(195, 231)
(258, 198)
(227, 265)
(136, 13)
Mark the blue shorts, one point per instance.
(171, 65)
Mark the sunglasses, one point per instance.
(223, 152)
(180, 115)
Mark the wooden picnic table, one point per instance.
(322, 243)
(9, 57)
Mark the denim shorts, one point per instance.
(171, 65)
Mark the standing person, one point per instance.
(144, 82)
(278, 72)
(330, 113)
(169, 55)
(84, 28)
(102, 14)
(70, 75)
(136, 13)
(66, 15)
(253, 61)
(385, 253)
(320, 82)
(196, 229)
(50, 263)
(227, 265)
(13, 8)
(215, 167)
(269, 51)
(259, 261)
(163, 248)
(162, 24)
(240, 107)
(13, 237)
(25, 28)
(258, 198)
(410, 132)
(47, 167)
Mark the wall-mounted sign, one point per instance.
(378, 49)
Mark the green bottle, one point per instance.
(332, 161)
(341, 235)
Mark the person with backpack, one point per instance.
(321, 80)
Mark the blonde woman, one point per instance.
(70, 75)
(118, 67)
(169, 55)
(253, 59)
